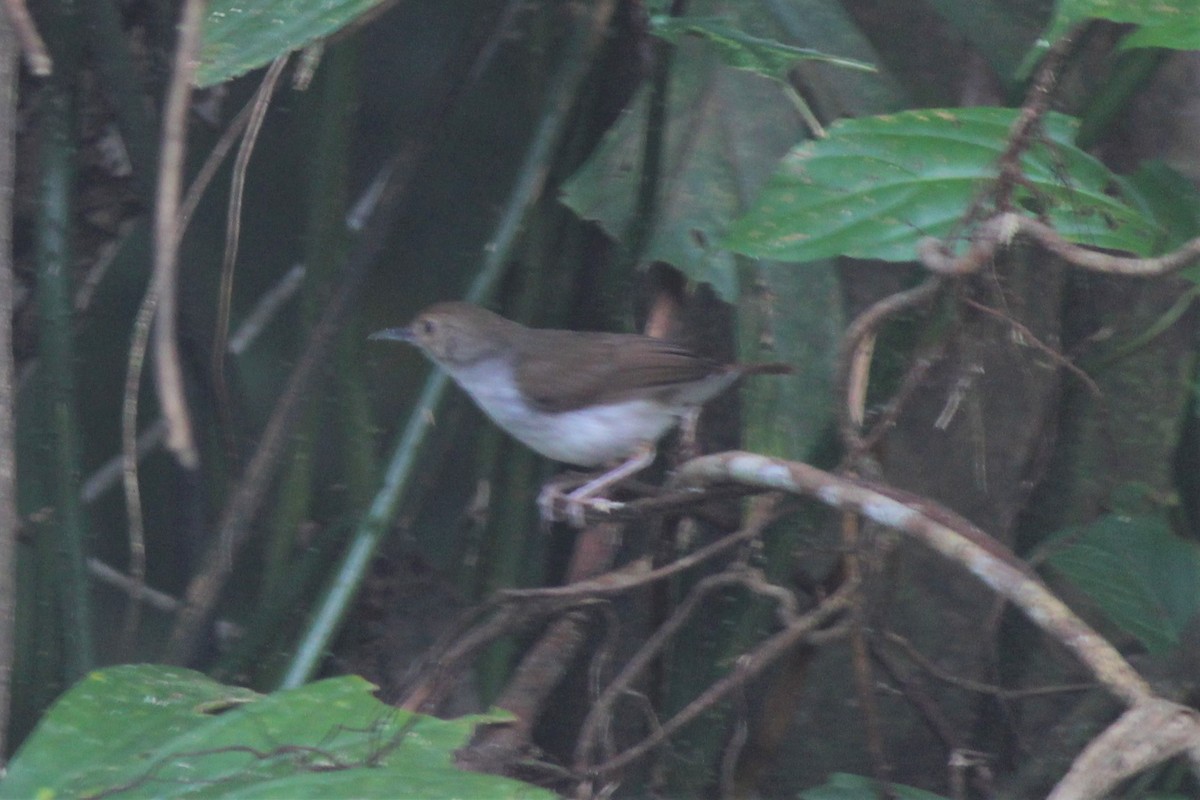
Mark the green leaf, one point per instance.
(725, 130)
(148, 731)
(1173, 24)
(1141, 575)
(240, 35)
(877, 185)
(842, 786)
(1173, 201)
(740, 50)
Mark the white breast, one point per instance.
(586, 437)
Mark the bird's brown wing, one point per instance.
(593, 368)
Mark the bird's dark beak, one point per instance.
(393, 334)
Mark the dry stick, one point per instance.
(212, 162)
(598, 715)
(139, 340)
(797, 629)
(943, 531)
(1034, 341)
(441, 666)
(167, 235)
(1021, 135)
(160, 601)
(927, 664)
(8, 463)
(1001, 229)
(637, 574)
(129, 463)
(543, 667)
(925, 705)
(233, 228)
(37, 57)
(858, 338)
(864, 680)
(1147, 734)
(169, 374)
(133, 374)
(459, 647)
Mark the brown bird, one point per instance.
(582, 398)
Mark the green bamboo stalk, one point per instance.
(55, 272)
(398, 479)
(333, 94)
(8, 462)
(123, 88)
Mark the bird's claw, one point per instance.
(555, 505)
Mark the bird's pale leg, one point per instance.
(580, 500)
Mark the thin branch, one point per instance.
(857, 343)
(638, 574)
(130, 455)
(1147, 734)
(169, 374)
(139, 341)
(1028, 336)
(926, 664)
(797, 628)
(1002, 229)
(948, 534)
(266, 309)
(233, 228)
(37, 57)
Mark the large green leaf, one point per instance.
(725, 129)
(740, 50)
(1145, 578)
(877, 185)
(240, 35)
(1173, 24)
(148, 731)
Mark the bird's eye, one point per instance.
(427, 326)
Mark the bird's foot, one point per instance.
(555, 504)
(579, 501)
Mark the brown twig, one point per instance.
(920, 700)
(37, 57)
(943, 531)
(130, 449)
(638, 573)
(478, 627)
(1025, 128)
(864, 681)
(1028, 336)
(857, 341)
(1021, 136)
(169, 374)
(927, 665)
(797, 628)
(233, 226)
(1152, 730)
(1002, 229)
(1150, 733)
(496, 747)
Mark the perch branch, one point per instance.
(1002, 229)
(943, 531)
